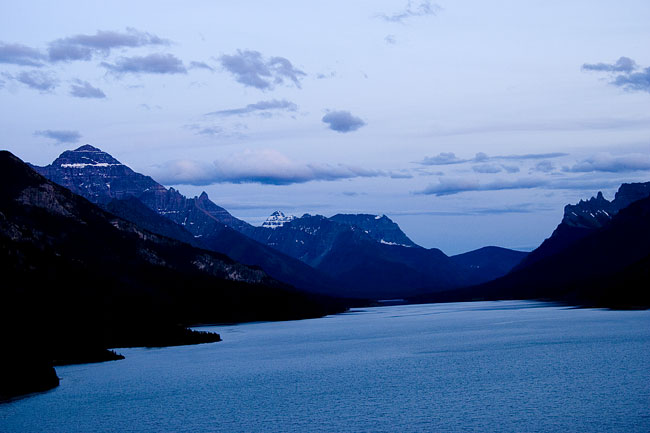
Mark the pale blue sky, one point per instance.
(345, 106)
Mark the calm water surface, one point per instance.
(489, 366)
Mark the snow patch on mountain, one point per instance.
(83, 165)
(277, 219)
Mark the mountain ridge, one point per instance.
(342, 255)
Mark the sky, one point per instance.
(469, 123)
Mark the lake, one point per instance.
(485, 366)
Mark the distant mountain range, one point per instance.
(357, 256)
(599, 255)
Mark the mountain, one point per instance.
(583, 218)
(347, 255)
(100, 178)
(368, 254)
(608, 267)
(78, 280)
(96, 175)
(378, 227)
(277, 219)
(489, 263)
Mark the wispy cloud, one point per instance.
(214, 131)
(251, 69)
(61, 137)
(261, 107)
(487, 168)
(342, 121)
(623, 64)
(84, 47)
(605, 162)
(83, 89)
(595, 124)
(18, 54)
(457, 185)
(152, 64)
(412, 10)
(43, 81)
(506, 209)
(201, 65)
(448, 158)
(325, 76)
(263, 167)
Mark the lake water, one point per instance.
(487, 366)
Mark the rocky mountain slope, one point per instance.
(583, 218)
(607, 266)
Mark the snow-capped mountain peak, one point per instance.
(277, 219)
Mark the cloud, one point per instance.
(510, 168)
(215, 132)
(390, 39)
(400, 174)
(17, 54)
(487, 168)
(342, 121)
(545, 166)
(263, 167)
(447, 158)
(83, 89)
(60, 137)
(449, 186)
(201, 65)
(412, 10)
(251, 69)
(45, 82)
(458, 185)
(514, 208)
(638, 81)
(627, 79)
(324, 76)
(443, 158)
(623, 64)
(605, 162)
(530, 156)
(84, 47)
(261, 107)
(152, 64)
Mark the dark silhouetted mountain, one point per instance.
(609, 266)
(583, 218)
(488, 263)
(101, 178)
(78, 280)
